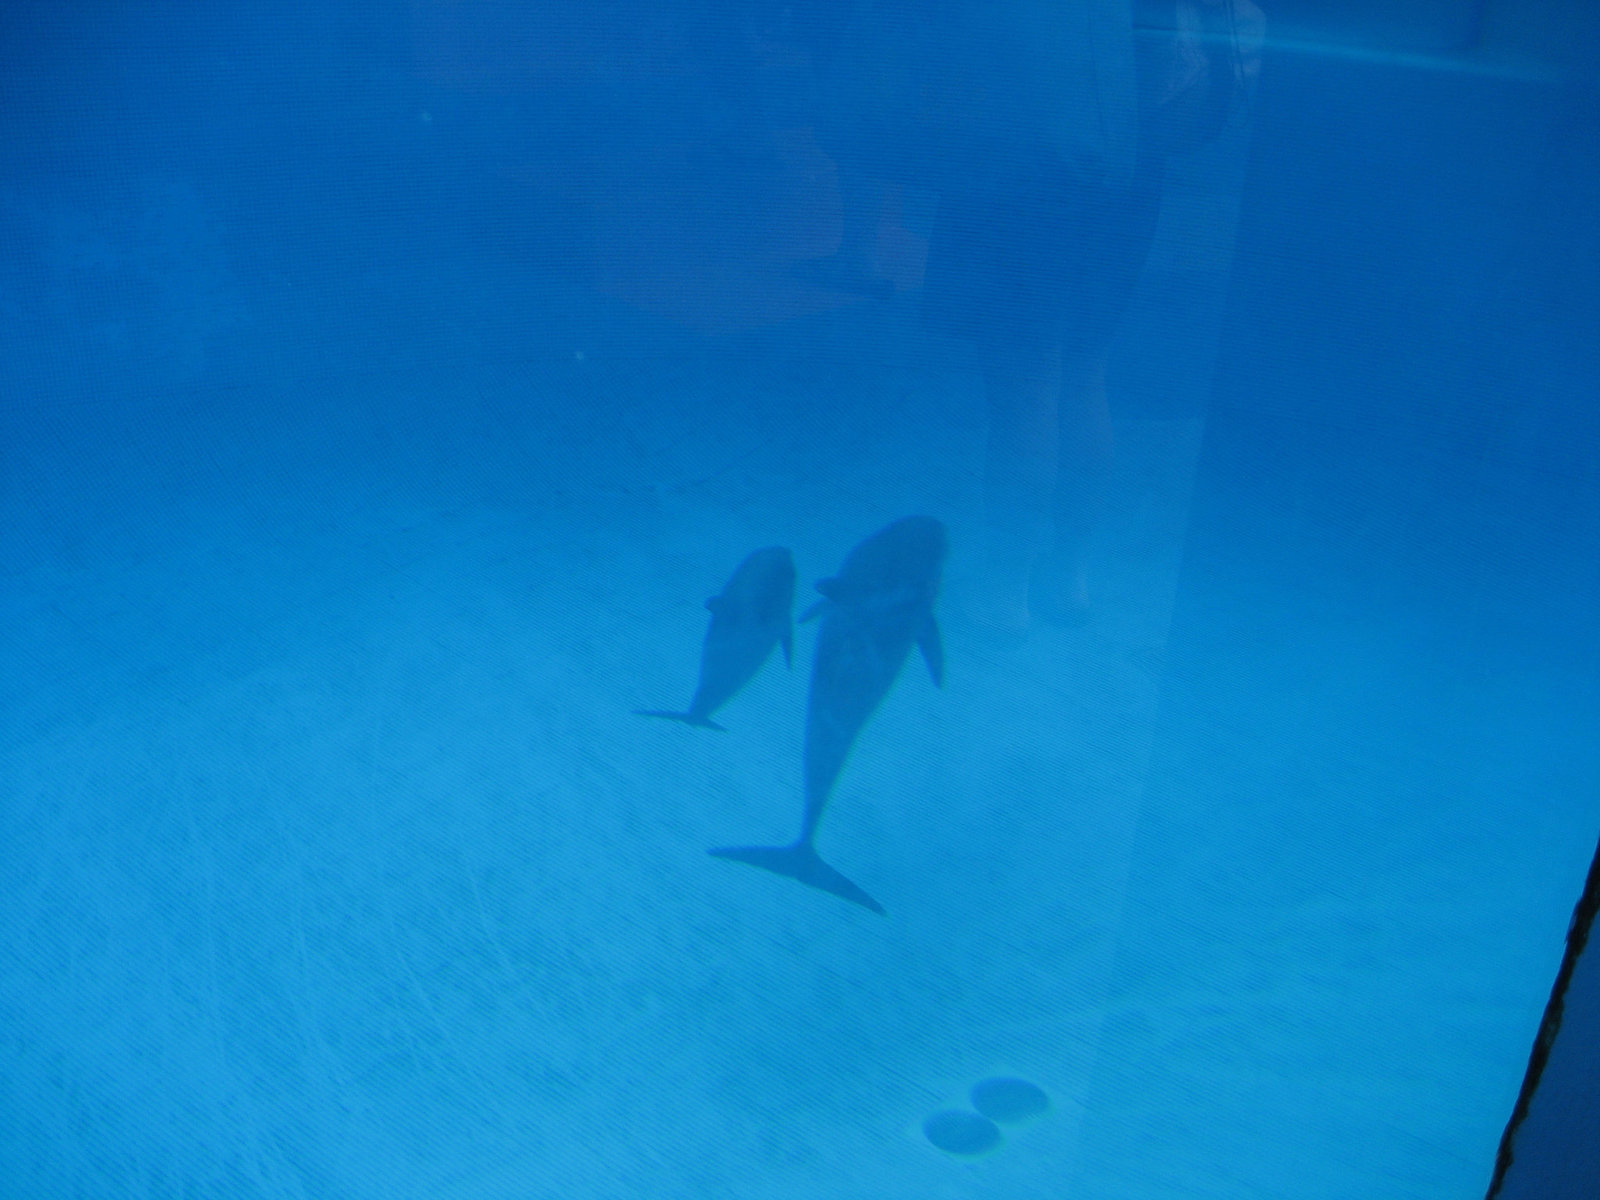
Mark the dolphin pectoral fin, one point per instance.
(932, 647)
(786, 640)
(815, 611)
(686, 718)
(802, 862)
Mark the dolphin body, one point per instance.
(873, 611)
(753, 613)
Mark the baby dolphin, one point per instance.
(753, 613)
(873, 611)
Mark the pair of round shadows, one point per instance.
(999, 1101)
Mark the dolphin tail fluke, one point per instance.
(800, 861)
(686, 718)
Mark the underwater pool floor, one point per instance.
(337, 866)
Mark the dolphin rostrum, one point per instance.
(752, 613)
(873, 611)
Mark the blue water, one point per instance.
(387, 386)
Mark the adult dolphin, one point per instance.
(873, 611)
(753, 613)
